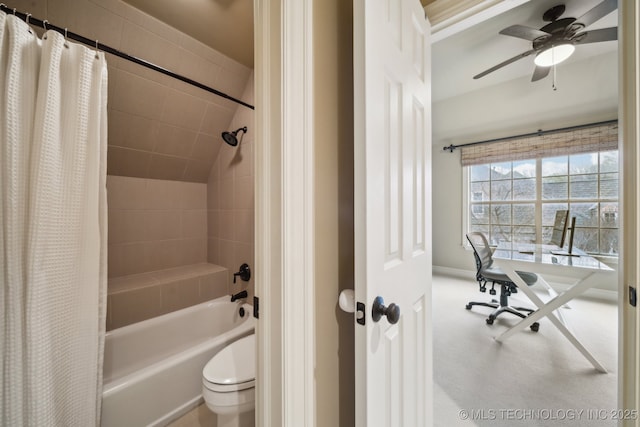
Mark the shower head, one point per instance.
(231, 137)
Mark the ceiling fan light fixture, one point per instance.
(554, 55)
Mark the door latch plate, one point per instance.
(360, 313)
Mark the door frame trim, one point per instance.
(629, 271)
(284, 223)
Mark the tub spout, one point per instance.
(239, 295)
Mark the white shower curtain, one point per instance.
(52, 228)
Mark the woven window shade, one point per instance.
(586, 139)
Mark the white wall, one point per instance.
(587, 92)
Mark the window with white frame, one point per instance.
(516, 201)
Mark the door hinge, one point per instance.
(633, 298)
(360, 313)
(256, 307)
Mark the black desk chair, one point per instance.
(486, 272)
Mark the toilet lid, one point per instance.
(233, 365)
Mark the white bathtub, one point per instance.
(153, 369)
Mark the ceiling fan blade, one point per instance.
(524, 32)
(594, 36)
(599, 11)
(502, 64)
(540, 73)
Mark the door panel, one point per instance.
(392, 211)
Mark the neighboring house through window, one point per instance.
(516, 201)
(515, 185)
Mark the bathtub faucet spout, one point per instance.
(239, 295)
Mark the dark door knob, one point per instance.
(378, 310)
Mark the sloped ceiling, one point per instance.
(159, 127)
(224, 25)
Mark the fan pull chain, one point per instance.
(553, 66)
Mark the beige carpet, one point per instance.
(532, 379)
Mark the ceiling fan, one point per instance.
(555, 42)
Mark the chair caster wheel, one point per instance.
(468, 306)
(535, 326)
(489, 321)
(492, 291)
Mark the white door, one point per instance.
(392, 175)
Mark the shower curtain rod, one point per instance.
(108, 49)
(526, 135)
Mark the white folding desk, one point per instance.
(536, 259)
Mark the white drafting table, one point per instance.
(534, 258)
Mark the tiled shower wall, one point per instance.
(157, 256)
(230, 200)
(170, 211)
(155, 224)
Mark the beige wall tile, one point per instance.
(244, 226)
(213, 251)
(193, 251)
(127, 226)
(163, 254)
(226, 194)
(244, 195)
(213, 229)
(194, 223)
(134, 306)
(131, 131)
(206, 148)
(141, 42)
(163, 194)
(196, 171)
(127, 162)
(216, 119)
(162, 225)
(198, 68)
(226, 255)
(132, 281)
(214, 285)
(127, 258)
(244, 158)
(138, 96)
(183, 110)
(174, 141)
(226, 224)
(213, 193)
(181, 294)
(126, 192)
(233, 81)
(226, 161)
(85, 18)
(166, 167)
(193, 195)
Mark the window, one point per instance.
(516, 201)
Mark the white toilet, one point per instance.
(228, 383)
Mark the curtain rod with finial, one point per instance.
(527, 135)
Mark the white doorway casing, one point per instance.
(284, 213)
(629, 327)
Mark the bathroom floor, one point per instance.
(200, 416)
